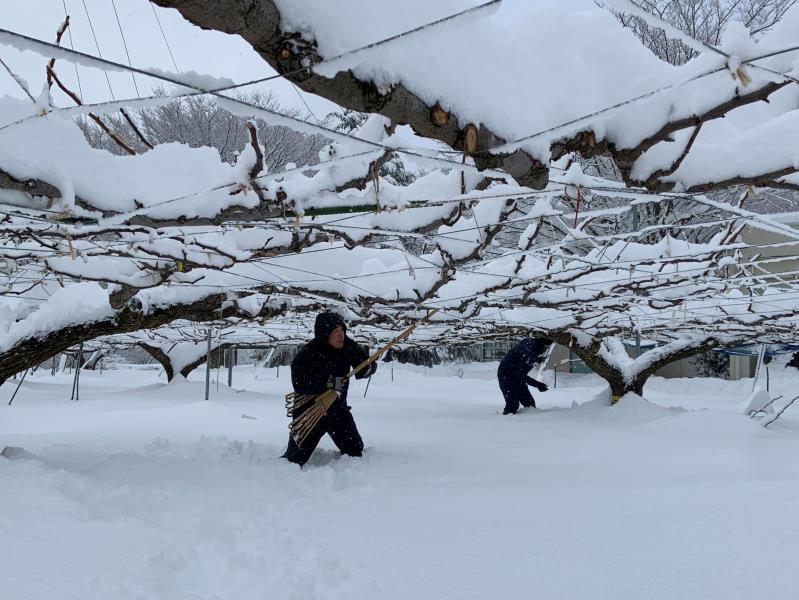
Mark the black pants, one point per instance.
(515, 393)
(340, 426)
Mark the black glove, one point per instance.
(367, 371)
(541, 387)
(335, 383)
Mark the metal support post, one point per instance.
(208, 364)
(76, 382)
(17, 388)
(230, 356)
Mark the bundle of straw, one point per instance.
(304, 424)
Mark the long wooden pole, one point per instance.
(381, 351)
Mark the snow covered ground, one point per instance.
(145, 491)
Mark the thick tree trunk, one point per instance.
(94, 360)
(162, 357)
(614, 375)
(167, 360)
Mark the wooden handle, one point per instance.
(381, 351)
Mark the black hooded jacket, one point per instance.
(317, 364)
(521, 358)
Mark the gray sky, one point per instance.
(207, 52)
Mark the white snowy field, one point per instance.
(143, 490)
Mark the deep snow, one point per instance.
(144, 490)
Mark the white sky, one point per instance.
(207, 52)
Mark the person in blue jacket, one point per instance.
(513, 377)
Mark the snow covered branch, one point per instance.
(636, 120)
(82, 313)
(181, 358)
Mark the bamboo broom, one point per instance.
(302, 426)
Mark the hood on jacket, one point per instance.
(537, 346)
(326, 322)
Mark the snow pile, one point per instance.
(152, 493)
(634, 407)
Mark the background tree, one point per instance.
(198, 121)
(703, 20)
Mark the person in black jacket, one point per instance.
(319, 366)
(512, 373)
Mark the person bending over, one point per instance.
(513, 373)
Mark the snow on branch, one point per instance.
(443, 98)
